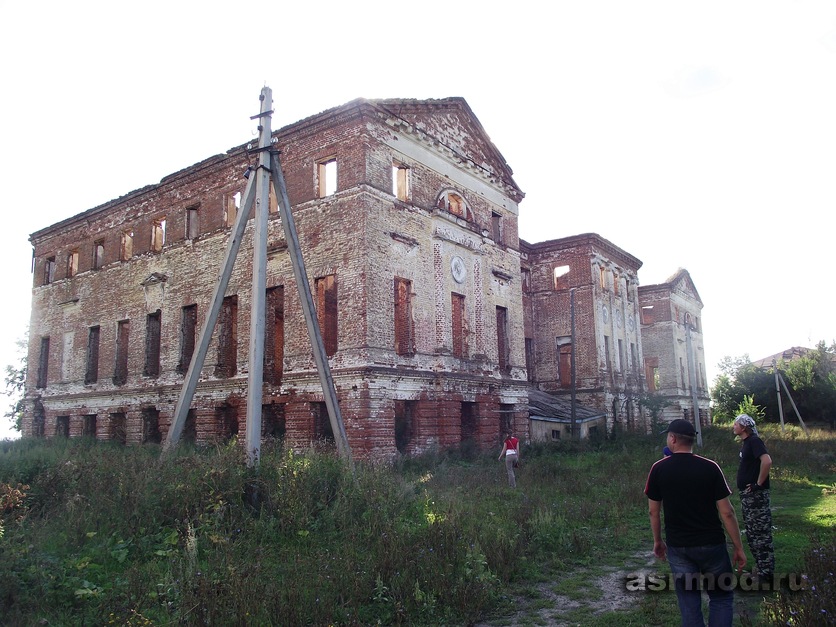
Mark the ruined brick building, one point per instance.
(672, 339)
(436, 318)
(407, 216)
(607, 341)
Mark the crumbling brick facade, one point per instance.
(607, 339)
(407, 219)
(672, 339)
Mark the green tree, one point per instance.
(15, 381)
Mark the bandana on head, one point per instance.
(745, 420)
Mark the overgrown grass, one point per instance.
(112, 535)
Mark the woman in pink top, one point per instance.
(511, 452)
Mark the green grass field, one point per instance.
(95, 534)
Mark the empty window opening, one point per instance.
(621, 364)
(603, 274)
(633, 360)
(564, 361)
(192, 223)
(98, 254)
(561, 278)
(468, 422)
(651, 373)
(126, 245)
(326, 177)
(526, 279)
(188, 333)
(323, 432)
(232, 203)
(555, 434)
(457, 316)
(158, 235)
(628, 289)
(326, 311)
(88, 426)
(607, 354)
(615, 281)
(118, 427)
(496, 227)
(38, 420)
(648, 316)
(49, 270)
(62, 426)
(43, 364)
(502, 345)
(153, 331)
(227, 364)
(72, 264)
(151, 426)
(227, 418)
(682, 373)
(273, 424)
(274, 336)
(123, 332)
(404, 424)
(400, 181)
(189, 434)
(403, 317)
(506, 418)
(688, 320)
(272, 201)
(91, 373)
(455, 204)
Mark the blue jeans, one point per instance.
(688, 564)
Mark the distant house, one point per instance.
(790, 354)
(551, 418)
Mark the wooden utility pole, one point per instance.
(257, 192)
(778, 391)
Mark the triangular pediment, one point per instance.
(682, 282)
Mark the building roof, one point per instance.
(543, 406)
(680, 276)
(790, 354)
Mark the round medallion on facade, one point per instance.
(631, 323)
(458, 269)
(605, 313)
(618, 318)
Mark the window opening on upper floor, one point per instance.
(120, 371)
(98, 254)
(232, 203)
(615, 283)
(272, 201)
(72, 264)
(561, 277)
(153, 337)
(227, 330)
(326, 172)
(327, 312)
(126, 245)
(647, 314)
(91, 374)
(455, 203)
(603, 273)
(49, 270)
(158, 235)
(400, 181)
(496, 227)
(192, 222)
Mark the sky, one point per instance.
(696, 135)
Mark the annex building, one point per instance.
(436, 319)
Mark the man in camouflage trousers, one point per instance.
(753, 485)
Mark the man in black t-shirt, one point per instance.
(753, 485)
(694, 496)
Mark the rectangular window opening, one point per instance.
(126, 245)
(62, 426)
(327, 177)
(158, 235)
(72, 264)
(151, 426)
(88, 426)
(91, 374)
(404, 424)
(564, 361)
(227, 364)
(561, 277)
(274, 336)
(153, 331)
(502, 345)
(326, 312)
(43, 363)
(232, 203)
(400, 181)
(49, 270)
(188, 335)
(123, 331)
(496, 228)
(192, 223)
(98, 254)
